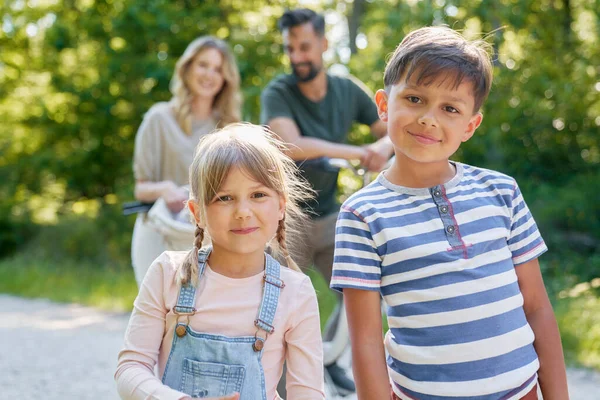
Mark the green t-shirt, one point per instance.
(330, 119)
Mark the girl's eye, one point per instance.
(259, 195)
(451, 109)
(223, 198)
(414, 99)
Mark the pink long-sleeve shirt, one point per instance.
(225, 306)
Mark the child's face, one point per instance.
(244, 215)
(427, 124)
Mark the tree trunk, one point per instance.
(354, 20)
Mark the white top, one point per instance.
(163, 151)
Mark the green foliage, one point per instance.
(577, 310)
(567, 216)
(77, 76)
(541, 119)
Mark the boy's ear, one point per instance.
(195, 210)
(381, 99)
(474, 123)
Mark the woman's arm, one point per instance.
(538, 310)
(304, 378)
(174, 196)
(363, 309)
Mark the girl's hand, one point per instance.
(175, 198)
(234, 396)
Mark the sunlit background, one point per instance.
(77, 76)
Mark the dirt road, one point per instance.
(63, 352)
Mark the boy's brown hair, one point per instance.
(439, 51)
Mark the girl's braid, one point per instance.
(198, 237)
(283, 246)
(189, 268)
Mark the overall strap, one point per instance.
(272, 287)
(187, 294)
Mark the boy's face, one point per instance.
(428, 123)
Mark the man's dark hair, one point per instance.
(301, 16)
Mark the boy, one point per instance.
(451, 248)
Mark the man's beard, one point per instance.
(312, 73)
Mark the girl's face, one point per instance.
(204, 76)
(243, 216)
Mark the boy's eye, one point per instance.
(414, 99)
(451, 109)
(259, 195)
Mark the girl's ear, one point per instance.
(282, 204)
(195, 210)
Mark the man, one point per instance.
(313, 112)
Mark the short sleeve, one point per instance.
(147, 151)
(365, 106)
(273, 105)
(356, 262)
(524, 241)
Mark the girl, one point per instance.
(223, 319)
(206, 95)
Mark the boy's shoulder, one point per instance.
(373, 195)
(491, 178)
(377, 194)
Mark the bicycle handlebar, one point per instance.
(327, 164)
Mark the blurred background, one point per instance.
(77, 76)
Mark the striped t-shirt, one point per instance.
(444, 261)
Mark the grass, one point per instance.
(576, 305)
(106, 288)
(577, 311)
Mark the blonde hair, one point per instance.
(227, 103)
(255, 150)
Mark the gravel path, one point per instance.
(62, 352)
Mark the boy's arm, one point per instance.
(539, 313)
(368, 356)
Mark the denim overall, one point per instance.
(209, 365)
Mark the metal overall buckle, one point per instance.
(259, 342)
(181, 328)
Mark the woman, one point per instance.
(206, 95)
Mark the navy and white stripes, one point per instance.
(444, 261)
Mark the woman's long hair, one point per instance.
(255, 150)
(227, 103)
